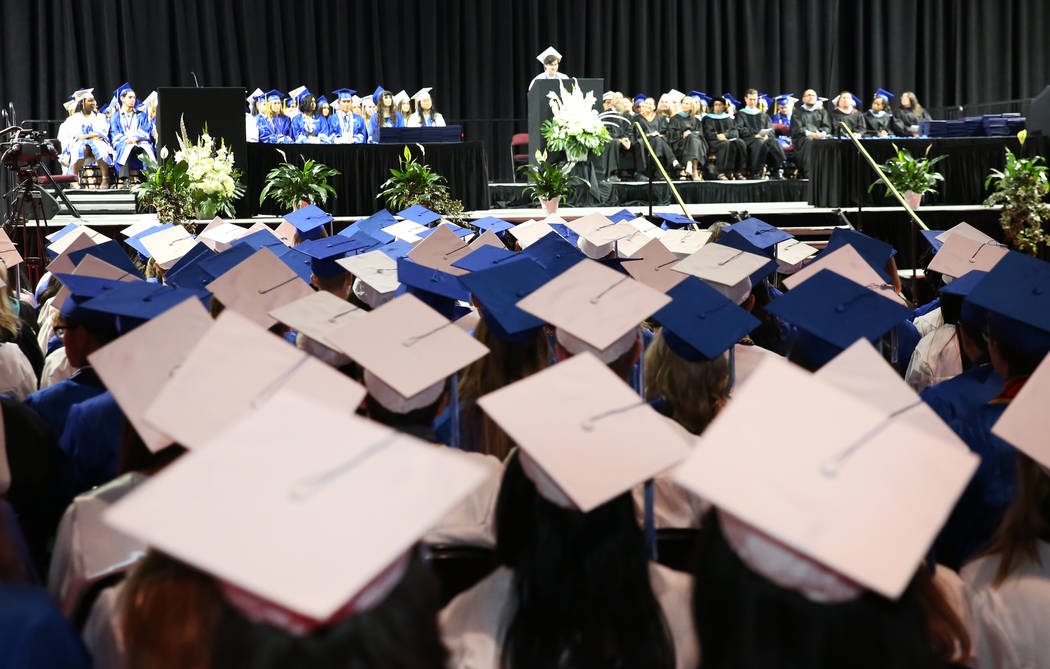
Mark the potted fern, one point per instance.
(1020, 187)
(548, 182)
(912, 177)
(294, 187)
(414, 182)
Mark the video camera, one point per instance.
(26, 147)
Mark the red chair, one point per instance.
(518, 140)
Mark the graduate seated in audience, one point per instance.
(686, 136)
(566, 530)
(879, 121)
(844, 110)
(89, 138)
(386, 114)
(274, 126)
(309, 127)
(131, 133)
(425, 114)
(347, 126)
(909, 113)
(722, 136)
(809, 122)
(551, 60)
(764, 153)
(16, 333)
(938, 356)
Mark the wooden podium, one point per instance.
(540, 108)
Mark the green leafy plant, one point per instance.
(1020, 187)
(548, 180)
(166, 188)
(290, 185)
(908, 173)
(416, 183)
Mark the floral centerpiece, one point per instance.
(576, 127)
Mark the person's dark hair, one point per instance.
(53, 286)
(951, 305)
(135, 456)
(384, 111)
(418, 109)
(79, 109)
(1018, 362)
(422, 416)
(750, 91)
(308, 105)
(332, 283)
(12, 568)
(745, 621)
(550, 60)
(949, 637)
(771, 334)
(1026, 523)
(581, 582)
(915, 108)
(322, 107)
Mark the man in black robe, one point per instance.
(756, 131)
(809, 122)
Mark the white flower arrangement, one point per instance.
(576, 127)
(214, 182)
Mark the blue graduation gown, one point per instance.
(310, 130)
(54, 402)
(373, 126)
(350, 129)
(34, 634)
(276, 130)
(956, 397)
(925, 309)
(137, 126)
(93, 124)
(91, 442)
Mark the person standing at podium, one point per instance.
(551, 59)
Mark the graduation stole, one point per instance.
(879, 115)
(754, 111)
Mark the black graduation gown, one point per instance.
(688, 148)
(855, 121)
(620, 159)
(654, 131)
(803, 121)
(759, 151)
(873, 124)
(730, 154)
(906, 118)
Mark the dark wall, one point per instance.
(479, 54)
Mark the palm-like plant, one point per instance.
(416, 183)
(290, 186)
(908, 173)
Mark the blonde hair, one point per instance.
(695, 391)
(9, 321)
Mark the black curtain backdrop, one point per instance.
(479, 55)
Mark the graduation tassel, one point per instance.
(732, 367)
(454, 408)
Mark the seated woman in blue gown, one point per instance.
(386, 115)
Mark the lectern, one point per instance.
(540, 109)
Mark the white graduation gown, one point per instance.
(473, 624)
(472, 522)
(929, 322)
(1010, 621)
(56, 368)
(102, 630)
(17, 377)
(936, 358)
(543, 76)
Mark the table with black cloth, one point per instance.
(364, 167)
(838, 171)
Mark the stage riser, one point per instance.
(633, 194)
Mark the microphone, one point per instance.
(195, 79)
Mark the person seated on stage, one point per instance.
(756, 131)
(845, 111)
(251, 122)
(655, 127)
(386, 115)
(909, 113)
(685, 133)
(325, 111)
(621, 157)
(607, 101)
(724, 139)
(638, 103)
(365, 108)
(878, 121)
(809, 122)
(666, 107)
(347, 126)
(308, 127)
(403, 104)
(551, 59)
(425, 115)
(89, 138)
(65, 133)
(131, 133)
(274, 127)
(291, 103)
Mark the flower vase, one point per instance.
(913, 198)
(551, 205)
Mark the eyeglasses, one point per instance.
(61, 330)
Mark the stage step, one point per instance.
(111, 201)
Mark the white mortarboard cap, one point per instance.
(255, 95)
(375, 269)
(655, 267)
(675, 95)
(583, 427)
(408, 345)
(644, 231)
(168, 246)
(237, 366)
(148, 221)
(594, 303)
(684, 242)
(529, 232)
(258, 284)
(791, 253)
(285, 231)
(1023, 424)
(69, 105)
(960, 254)
(136, 366)
(848, 263)
(77, 240)
(401, 96)
(840, 491)
(255, 508)
(966, 230)
(83, 93)
(440, 249)
(607, 95)
(90, 265)
(422, 93)
(549, 51)
(151, 99)
(317, 315)
(9, 255)
(221, 237)
(719, 264)
(405, 230)
(598, 235)
(296, 92)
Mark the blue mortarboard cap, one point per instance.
(499, 288)
(419, 214)
(274, 95)
(105, 109)
(673, 220)
(566, 232)
(197, 252)
(82, 289)
(309, 221)
(875, 252)
(134, 303)
(729, 99)
(969, 313)
(430, 280)
(485, 257)
(735, 240)
(622, 215)
(496, 225)
(322, 101)
(836, 312)
(372, 226)
(259, 239)
(119, 93)
(884, 94)
(109, 252)
(641, 97)
(703, 97)
(326, 251)
(762, 235)
(553, 254)
(343, 93)
(65, 230)
(700, 323)
(931, 238)
(302, 94)
(396, 249)
(135, 241)
(297, 261)
(856, 101)
(220, 263)
(378, 93)
(1016, 294)
(766, 100)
